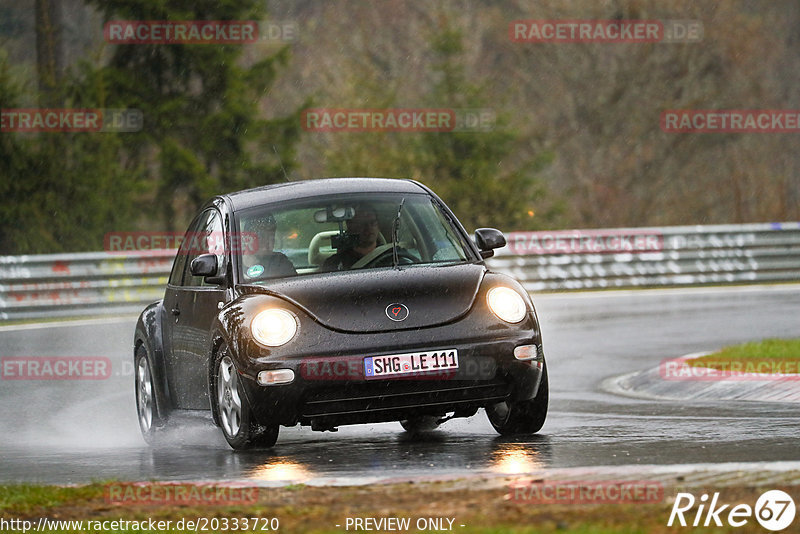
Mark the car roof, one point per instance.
(268, 194)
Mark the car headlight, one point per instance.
(507, 304)
(273, 327)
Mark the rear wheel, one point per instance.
(521, 417)
(235, 417)
(151, 420)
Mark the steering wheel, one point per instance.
(381, 254)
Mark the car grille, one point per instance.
(384, 398)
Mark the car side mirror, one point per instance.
(489, 239)
(204, 265)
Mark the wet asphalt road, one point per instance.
(79, 431)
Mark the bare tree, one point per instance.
(49, 49)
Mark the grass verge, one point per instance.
(301, 509)
(767, 356)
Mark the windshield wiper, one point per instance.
(395, 231)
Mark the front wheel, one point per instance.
(235, 417)
(521, 417)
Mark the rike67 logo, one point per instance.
(774, 510)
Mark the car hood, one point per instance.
(361, 301)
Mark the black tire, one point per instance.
(522, 417)
(152, 417)
(233, 413)
(423, 423)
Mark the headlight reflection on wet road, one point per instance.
(515, 459)
(280, 470)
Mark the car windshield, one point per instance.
(344, 233)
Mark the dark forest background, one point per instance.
(577, 143)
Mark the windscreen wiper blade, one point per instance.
(395, 231)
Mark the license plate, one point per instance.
(410, 364)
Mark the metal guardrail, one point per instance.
(637, 257)
(54, 285)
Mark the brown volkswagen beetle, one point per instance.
(333, 302)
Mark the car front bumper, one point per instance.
(330, 388)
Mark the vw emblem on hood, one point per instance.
(397, 312)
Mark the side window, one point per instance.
(206, 237)
(216, 244)
(177, 269)
(179, 266)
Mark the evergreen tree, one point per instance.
(65, 190)
(202, 133)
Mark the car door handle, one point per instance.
(176, 311)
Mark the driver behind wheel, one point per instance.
(264, 262)
(364, 225)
